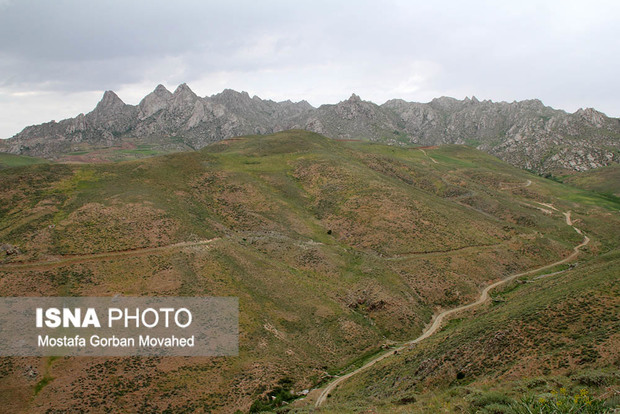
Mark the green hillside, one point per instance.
(604, 180)
(333, 248)
(540, 339)
(11, 160)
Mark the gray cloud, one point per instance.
(56, 56)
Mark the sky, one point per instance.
(58, 57)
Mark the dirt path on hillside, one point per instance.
(428, 156)
(83, 258)
(512, 187)
(438, 319)
(547, 205)
(464, 249)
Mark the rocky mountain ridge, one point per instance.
(526, 133)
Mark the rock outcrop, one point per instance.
(526, 134)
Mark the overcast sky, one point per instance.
(57, 57)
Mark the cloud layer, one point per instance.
(57, 57)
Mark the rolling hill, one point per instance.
(336, 250)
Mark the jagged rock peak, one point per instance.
(232, 97)
(154, 102)
(532, 103)
(447, 103)
(232, 92)
(109, 97)
(592, 116)
(445, 100)
(354, 98)
(110, 100)
(588, 111)
(161, 90)
(229, 95)
(184, 96)
(183, 89)
(472, 101)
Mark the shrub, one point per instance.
(559, 403)
(594, 379)
(277, 397)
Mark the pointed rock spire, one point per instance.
(591, 116)
(154, 102)
(184, 97)
(183, 89)
(109, 103)
(161, 91)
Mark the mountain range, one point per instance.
(526, 134)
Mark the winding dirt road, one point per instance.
(82, 258)
(438, 319)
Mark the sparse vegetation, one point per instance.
(562, 402)
(275, 398)
(334, 249)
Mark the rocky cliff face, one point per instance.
(526, 134)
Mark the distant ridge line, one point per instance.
(526, 134)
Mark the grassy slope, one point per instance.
(553, 333)
(604, 180)
(11, 160)
(85, 153)
(332, 247)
